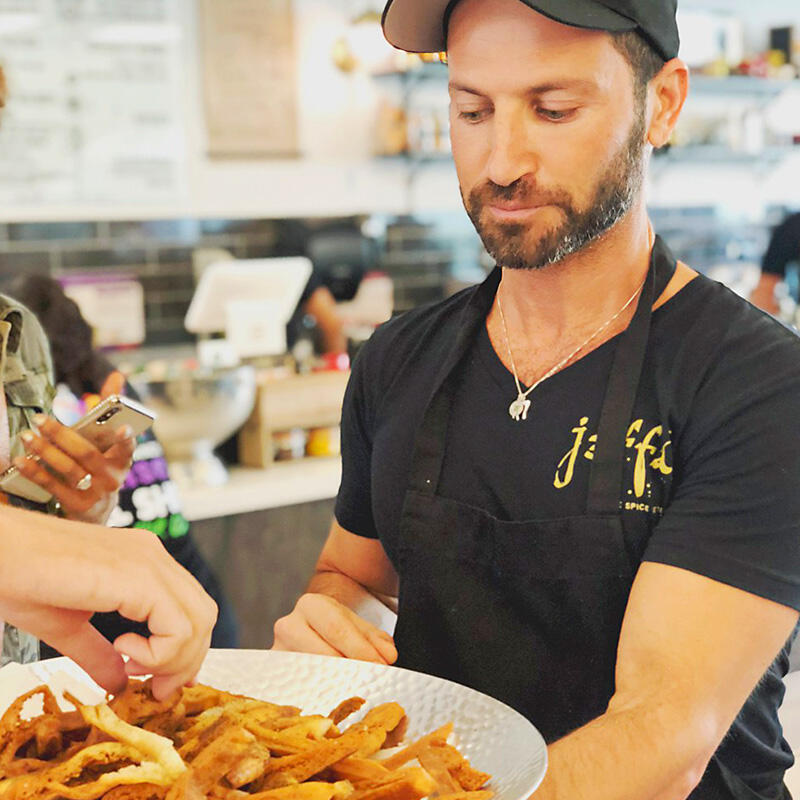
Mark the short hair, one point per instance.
(645, 61)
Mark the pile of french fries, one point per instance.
(206, 743)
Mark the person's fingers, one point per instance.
(71, 499)
(113, 384)
(120, 453)
(58, 461)
(166, 676)
(340, 627)
(179, 614)
(87, 458)
(382, 642)
(91, 651)
(295, 635)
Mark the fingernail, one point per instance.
(26, 437)
(39, 419)
(125, 432)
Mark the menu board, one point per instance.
(94, 109)
(249, 77)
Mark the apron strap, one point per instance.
(429, 449)
(605, 480)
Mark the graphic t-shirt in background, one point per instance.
(712, 465)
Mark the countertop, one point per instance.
(283, 484)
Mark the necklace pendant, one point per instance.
(518, 410)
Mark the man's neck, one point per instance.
(578, 294)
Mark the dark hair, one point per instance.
(645, 61)
(75, 361)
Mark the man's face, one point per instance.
(548, 139)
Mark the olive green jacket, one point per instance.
(26, 371)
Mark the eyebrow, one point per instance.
(542, 88)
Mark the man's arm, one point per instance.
(691, 651)
(348, 605)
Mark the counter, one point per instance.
(282, 484)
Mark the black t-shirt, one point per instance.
(712, 468)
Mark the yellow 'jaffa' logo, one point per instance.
(646, 446)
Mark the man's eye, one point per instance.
(555, 116)
(471, 116)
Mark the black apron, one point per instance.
(527, 612)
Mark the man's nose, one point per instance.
(511, 157)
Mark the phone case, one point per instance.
(103, 420)
(12, 481)
(112, 414)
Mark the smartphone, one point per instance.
(99, 427)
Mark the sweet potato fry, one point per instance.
(300, 767)
(408, 753)
(346, 708)
(435, 766)
(462, 771)
(250, 767)
(411, 783)
(311, 790)
(358, 770)
(213, 762)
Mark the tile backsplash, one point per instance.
(157, 252)
(427, 256)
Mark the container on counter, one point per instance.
(289, 445)
(324, 441)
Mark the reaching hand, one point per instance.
(54, 574)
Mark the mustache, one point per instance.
(522, 190)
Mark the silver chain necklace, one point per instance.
(518, 410)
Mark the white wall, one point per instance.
(336, 176)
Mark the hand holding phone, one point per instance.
(78, 466)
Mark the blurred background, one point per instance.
(235, 192)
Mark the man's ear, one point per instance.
(667, 94)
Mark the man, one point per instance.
(54, 573)
(784, 249)
(582, 476)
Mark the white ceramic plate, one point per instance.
(494, 737)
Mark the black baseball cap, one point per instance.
(420, 26)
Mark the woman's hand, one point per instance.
(83, 478)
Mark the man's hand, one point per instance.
(59, 460)
(322, 625)
(58, 573)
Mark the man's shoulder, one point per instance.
(434, 324)
(716, 347)
(708, 311)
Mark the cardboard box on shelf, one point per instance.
(299, 401)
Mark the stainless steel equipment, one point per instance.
(196, 412)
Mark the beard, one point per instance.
(511, 244)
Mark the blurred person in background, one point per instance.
(783, 250)
(55, 573)
(147, 499)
